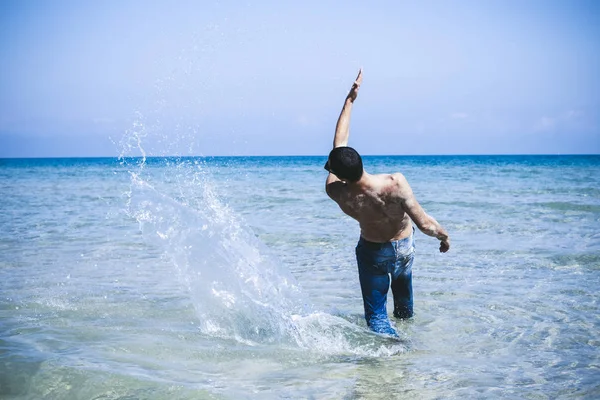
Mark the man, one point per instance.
(385, 207)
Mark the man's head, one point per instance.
(345, 163)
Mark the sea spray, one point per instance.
(238, 291)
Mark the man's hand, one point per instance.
(444, 245)
(354, 90)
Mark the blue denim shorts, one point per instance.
(381, 266)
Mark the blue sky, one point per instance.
(269, 78)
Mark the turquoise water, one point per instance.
(229, 278)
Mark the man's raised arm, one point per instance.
(342, 128)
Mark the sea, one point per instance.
(235, 278)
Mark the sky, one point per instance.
(85, 79)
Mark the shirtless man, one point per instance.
(385, 207)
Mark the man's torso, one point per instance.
(378, 209)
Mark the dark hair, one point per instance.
(345, 163)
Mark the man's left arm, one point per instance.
(425, 222)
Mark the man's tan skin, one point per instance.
(383, 204)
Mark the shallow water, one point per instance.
(235, 278)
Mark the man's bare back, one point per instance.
(384, 204)
(377, 207)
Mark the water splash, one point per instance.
(238, 292)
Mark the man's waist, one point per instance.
(404, 234)
(380, 245)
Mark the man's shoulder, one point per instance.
(394, 180)
(398, 177)
(334, 189)
(396, 185)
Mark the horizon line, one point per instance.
(301, 155)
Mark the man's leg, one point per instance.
(374, 285)
(403, 294)
(402, 279)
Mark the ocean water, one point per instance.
(235, 278)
